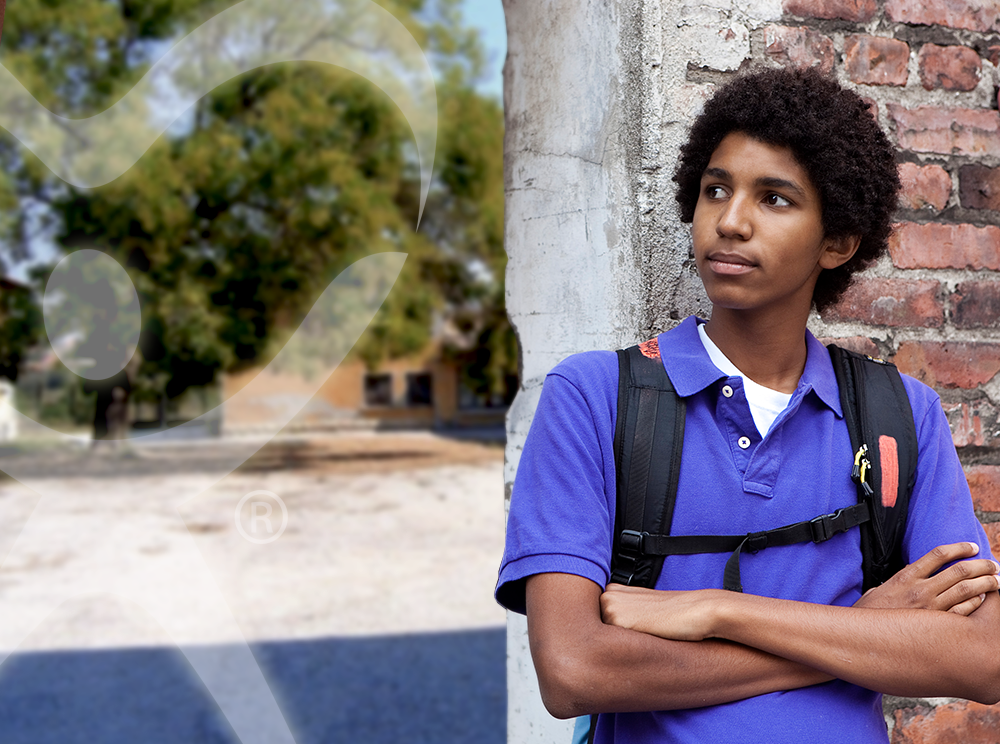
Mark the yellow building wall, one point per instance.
(342, 395)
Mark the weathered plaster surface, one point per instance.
(573, 282)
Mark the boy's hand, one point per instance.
(961, 589)
(677, 616)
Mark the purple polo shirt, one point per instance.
(562, 513)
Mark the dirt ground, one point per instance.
(386, 534)
(366, 452)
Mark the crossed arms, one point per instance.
(627, 649)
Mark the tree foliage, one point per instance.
(233, 222)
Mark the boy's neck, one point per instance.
(770, 351)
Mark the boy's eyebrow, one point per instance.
(769, 181)
(780, 183)
(716, 173)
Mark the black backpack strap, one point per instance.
(816, 530)
(884, 439)
(650, 423)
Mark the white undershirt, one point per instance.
(765, 403)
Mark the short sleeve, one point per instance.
(941, 510)
(562, 502)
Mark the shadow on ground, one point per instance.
(441, 688)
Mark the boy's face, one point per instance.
(758, 229)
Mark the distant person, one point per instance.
(111, 409)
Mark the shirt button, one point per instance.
(727, 391)
(744, 442)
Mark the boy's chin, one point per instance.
(749, 306)
(730, 304)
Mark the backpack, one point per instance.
(650, 424)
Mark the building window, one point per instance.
(419, 389)
(378, 390)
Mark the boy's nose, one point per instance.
(734, 222)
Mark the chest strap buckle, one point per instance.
(826, 526)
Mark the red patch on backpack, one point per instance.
(650, 349)
(889, 458)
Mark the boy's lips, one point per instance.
(730, 264)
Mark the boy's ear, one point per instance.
(838, 251)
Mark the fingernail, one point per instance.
(982, 597)
(998, 567)
(975, 547)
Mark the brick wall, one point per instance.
(929, 69)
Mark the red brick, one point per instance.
(924, 186)
(976, 304)
(949, 364)
(848, 10)
(937, 246)
(993, 535)
(979, 187)
(960, 722)
(891, 303)
(949, 67)
(950, 131)
(799, 47)
(876, 60)
(993, 54)
(984, 482)
(859, 344)
(972, 424)
(975, 15)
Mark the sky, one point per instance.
(487, 15)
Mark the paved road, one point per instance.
(371, 616)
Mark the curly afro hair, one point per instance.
(832, 135)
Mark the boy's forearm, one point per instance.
(585, 666)
(911, 653)
(627, 671)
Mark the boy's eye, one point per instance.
(715, 192)
(776, 200)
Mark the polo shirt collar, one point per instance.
(820, 375)
(684, 358)
(691, 370)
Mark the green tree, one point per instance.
(465, 221)
(231, 225)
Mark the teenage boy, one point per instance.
(790, 186)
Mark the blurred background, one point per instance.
(370, 611)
